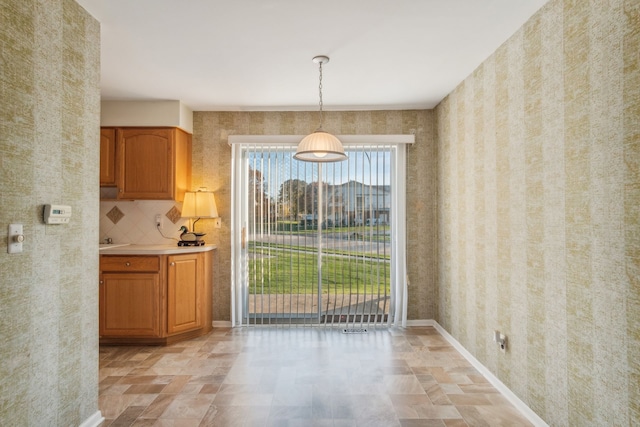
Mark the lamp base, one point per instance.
(191, 243)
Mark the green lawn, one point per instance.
(282, 271)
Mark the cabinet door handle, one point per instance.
(244, 238)
(101, 282)
(128, 264)
(172, 264)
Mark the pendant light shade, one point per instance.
(320, 146)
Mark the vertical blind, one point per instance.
(318, 244)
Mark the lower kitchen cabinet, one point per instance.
(130, 305)
(184, 293)
(149, 299)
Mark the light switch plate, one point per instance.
(15, 239)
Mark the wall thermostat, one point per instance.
(57, 214)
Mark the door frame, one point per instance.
(239, 250)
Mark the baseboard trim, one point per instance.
(499, 385)
(93, 421)
(221, 323)
(420, 322)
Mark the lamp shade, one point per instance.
(199, 204)
(320, 146)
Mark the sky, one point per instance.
(368, 167)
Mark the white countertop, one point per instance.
(129, 249)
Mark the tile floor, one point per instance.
(262, 376)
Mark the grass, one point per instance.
(294, 272)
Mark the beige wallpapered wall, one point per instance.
(539, 193)
(212, 168)
(49, 122)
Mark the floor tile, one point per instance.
(188, 407)
(279, 377)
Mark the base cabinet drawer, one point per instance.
(129, 263)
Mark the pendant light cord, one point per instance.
(320, 90)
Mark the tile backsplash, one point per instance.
(135, 221)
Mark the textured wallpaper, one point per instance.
(539, 212)
(49, 124)
(212, 168)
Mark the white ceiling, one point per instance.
(228, 55)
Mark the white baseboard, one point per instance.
(93, 421)
(221, 324)
(421, 322)
(499, 385)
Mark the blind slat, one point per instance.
(284, 214)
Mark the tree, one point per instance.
(311, 198)
(259, 200)
(292, 198)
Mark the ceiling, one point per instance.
(251, 55)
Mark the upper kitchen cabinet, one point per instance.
(108, 157)
(153, 163)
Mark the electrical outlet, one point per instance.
(501, 340)
(159, 221)
(503, 343)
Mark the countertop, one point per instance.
(129, 249)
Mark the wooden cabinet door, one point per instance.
(107, 157)
(129, 305)
(182, 179)
(184, 292)
(146, 164)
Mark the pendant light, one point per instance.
(320, 146)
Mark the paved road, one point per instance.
(338, 241)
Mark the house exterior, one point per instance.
(355, 203)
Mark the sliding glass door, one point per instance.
(315, 241)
